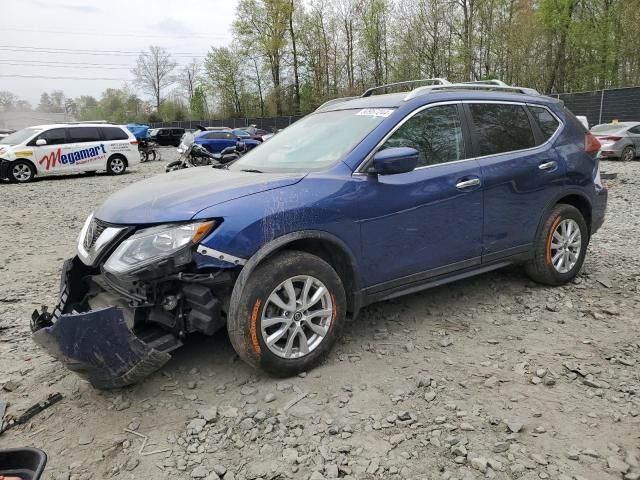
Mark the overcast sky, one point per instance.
(64, 38)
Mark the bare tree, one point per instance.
(154, 72)
(189, 79)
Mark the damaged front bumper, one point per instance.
(100, 347)
(118, 344)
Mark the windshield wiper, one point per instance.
(251, 170)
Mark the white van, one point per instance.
(67, 148)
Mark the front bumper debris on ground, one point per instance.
(97, 345)
(100, 347)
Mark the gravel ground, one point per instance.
(492, 377)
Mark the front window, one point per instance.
(314, 142)
(436, 133)
(19, 137)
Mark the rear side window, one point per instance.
(547, 122)
(435, 132)
(55, 136)
(501, 128)
(84, 134)
(177, 131)
(114, 133)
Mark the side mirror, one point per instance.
(394, 160)
(41, 142)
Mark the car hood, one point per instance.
(179, 195)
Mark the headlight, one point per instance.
(152, 244)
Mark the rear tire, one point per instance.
(560, 247)
(116, 165)
(628, 154)
(281, 334)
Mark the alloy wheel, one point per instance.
(117, 165)
(296, 317)
(22, 172)
(565, 246)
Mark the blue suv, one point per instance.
(364, 200)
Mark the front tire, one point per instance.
(22, 171)
(291, 313)
(560, 247)
(628, 154)
(173, 166)
(116, 165)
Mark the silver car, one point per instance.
(619, 140)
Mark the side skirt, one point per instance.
(375, 294)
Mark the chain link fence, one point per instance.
(270, 124)
(603, 106)
(599, 106)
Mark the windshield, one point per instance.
(608, 127)
(241, 134)
(19, 137)
(314, 142)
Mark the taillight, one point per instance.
(610, 139)
(591, 144)
(134, 142)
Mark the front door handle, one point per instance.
(548, 165)
(472, 182)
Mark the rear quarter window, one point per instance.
(546, 121)
(501, 128)
(114, 133)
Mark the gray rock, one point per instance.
(479, 463)
(208, 414)
(632, 476)
(445, 341)
(316, 476)
(514, 427)
(220, 470)
(212, 476)
(269, 397)
(590, 453)
(196, 425)
(430, 396)
(491, 381)
(616, 465)
(467, 427)
(85, 439)
(11, 385)
(228, 412)
(248, 390)
(199, 472)
(131, 464)
(539, 459)
(500, 447)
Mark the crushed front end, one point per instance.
(130, 296)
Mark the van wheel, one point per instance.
(22, 171)
(291, 313)
(560, 247)
(116, 165)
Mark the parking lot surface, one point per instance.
(492, 377)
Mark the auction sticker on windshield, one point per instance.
(376, 112)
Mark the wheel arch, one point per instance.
(322, 244)
(572, 197)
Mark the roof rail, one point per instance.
(470, 86)
(97, 122)
(333, 102)
(433, 81)
(494, 81)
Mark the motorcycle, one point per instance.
(148, 150)
(194, 155)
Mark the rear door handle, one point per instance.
(548, 165)
(472, 182)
